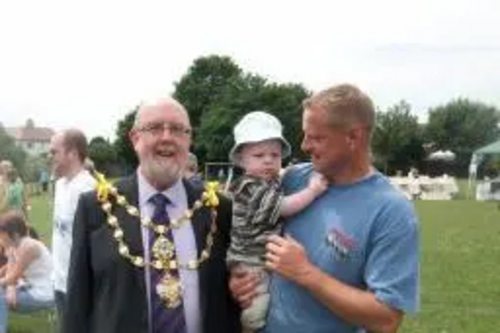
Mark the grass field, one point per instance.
(460, 268)
(460, 271)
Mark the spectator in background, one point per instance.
(44, 180)
(16, 197)
(414, 185)
(3, 188)
(89, 166)
(19, 186)
(3, 205)
(191, 172)
(25, 284)
(68, 152)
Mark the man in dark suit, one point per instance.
(124, 276)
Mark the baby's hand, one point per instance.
(318, 183)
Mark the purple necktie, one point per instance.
(164, 319)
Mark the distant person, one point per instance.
(191, 172)
(221, 176)
(3, 206)
(89, 166)
(16, 198)
(68, 151)
(6, 165)
(3, 188)
(25, 282)
(259, 201)
(16, 184)
(414, 186)
(44, 180)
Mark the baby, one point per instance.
(258, 202)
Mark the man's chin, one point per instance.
(57, 174)
(316, 165)
(163, 177)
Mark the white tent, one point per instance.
(477, 158)
(442, 155)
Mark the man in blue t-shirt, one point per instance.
(350, 261)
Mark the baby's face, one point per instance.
(262, 159)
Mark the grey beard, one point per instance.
(161, 176)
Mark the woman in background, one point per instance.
(26, 282)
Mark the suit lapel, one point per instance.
(201, 218)
(131, 225)
(201, 226)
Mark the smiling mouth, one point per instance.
(165, 153)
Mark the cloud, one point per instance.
(68, 63)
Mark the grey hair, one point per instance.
(168, 101)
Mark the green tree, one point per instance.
(217, 93)
(204, 82)
(285, 102)
(102, 153)
(123, 146)
(249, 93)
(10, 151)
(34, 166)
(397, 140)
(462, 126)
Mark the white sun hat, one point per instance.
(256, 127)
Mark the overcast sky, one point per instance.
(86, 63)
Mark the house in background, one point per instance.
(34, 140)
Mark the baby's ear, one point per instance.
(238, 156)
(237, 159)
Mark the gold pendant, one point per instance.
(169, 289)
(163, 249)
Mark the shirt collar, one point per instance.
(146, 191)
(79, 175)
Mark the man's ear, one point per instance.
(133, 136)
(356, 135)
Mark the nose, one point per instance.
(166, 134)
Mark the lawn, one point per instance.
(460, 272)
(460, 268)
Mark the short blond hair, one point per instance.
(345, 105)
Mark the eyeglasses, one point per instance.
(157, 129)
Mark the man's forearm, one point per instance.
(351, 304)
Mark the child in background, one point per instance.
(258, 202)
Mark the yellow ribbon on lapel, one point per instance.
(210, 197)
(102, 187)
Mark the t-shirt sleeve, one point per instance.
(295, 178)
(392, 268)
